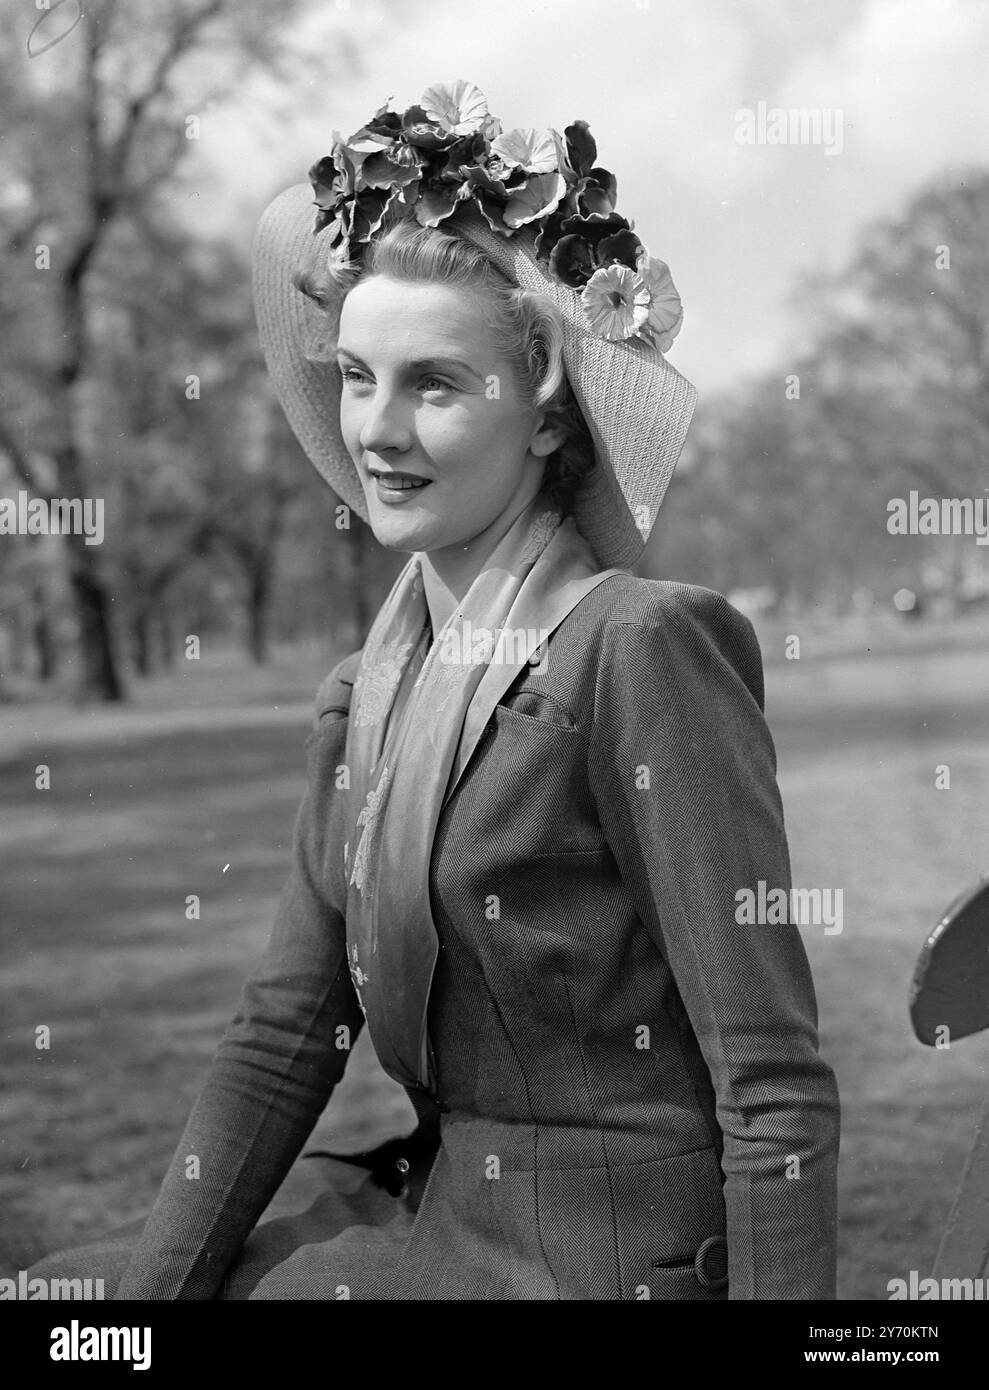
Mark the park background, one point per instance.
(172, 776)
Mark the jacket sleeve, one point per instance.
(276, 1065)
(680, 693)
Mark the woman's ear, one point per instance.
(547, 437)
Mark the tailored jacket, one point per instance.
(630, 1102)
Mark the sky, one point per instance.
(662, 84)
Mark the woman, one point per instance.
(533, 796)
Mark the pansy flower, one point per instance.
(332, 178)
(616, 302)
(485, 183)
(397, 165)
(370, 207)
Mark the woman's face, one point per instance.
(432, 415)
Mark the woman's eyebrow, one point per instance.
(420, 363)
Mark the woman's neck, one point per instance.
(447, 573)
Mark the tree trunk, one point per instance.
(141, 632)
(101, 679)
(166, 642)
(100, 668)
(44, 644)
(259, 585)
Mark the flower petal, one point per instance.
(665, 305)
(370, 207)
(581, 149)
(459, 107)
(492, 210)
(623, 246)
(572, 261)
(395, 166)
(594, 226)
(436, 203)
(616, 302)
(538, 151)
(537, 198)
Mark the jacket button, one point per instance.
(711, 1263)
(402, 1164)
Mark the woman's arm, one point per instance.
(680, 691)
(276, 1066)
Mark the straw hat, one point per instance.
(637, 406)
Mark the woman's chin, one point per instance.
(406, 532)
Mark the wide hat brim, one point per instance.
(637, 406)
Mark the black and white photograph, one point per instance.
(494, 663)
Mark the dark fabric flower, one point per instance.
(595, 226)
(597, 192)
(537, 197)
(397, 165)
(424, 135)
(464, 153)
(333, 180)
(436, 201)
(370, 206)
(385, 122)
(552, 229)
(581, 149)
(622, 246)
(572, 261)
(489, 193)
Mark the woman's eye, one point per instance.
(352, 374)
(436, 383)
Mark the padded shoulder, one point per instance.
(333, 696)
(650, 600)
(699, 624)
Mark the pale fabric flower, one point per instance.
(665, 306)
(616, 302)
(459, 107)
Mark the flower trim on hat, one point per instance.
(449, 150)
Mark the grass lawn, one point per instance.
(194, 790)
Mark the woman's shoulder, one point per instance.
(657, 623)
(626, 598)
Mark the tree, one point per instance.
(98, 128)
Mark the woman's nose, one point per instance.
(387, 424)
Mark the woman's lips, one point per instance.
(398, 487)
(399, 480)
